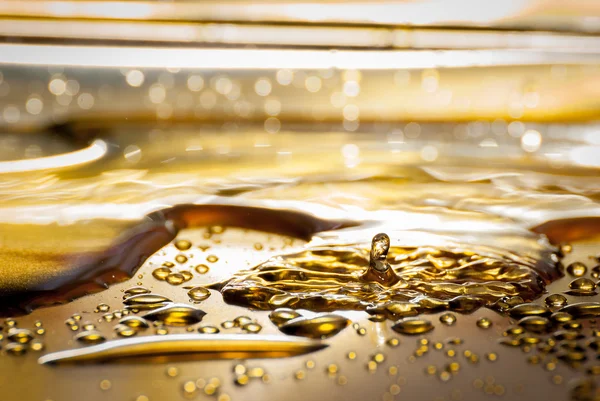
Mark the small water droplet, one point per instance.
(161, 273)
(103, 308)
(15, 348)
(89, 337)
(181, 259)
(449, 319)
(484, 323)
(135, 322)
(577, 269)
(21, 336)
(252, 328)
(202, 269)
(183, 245)
(212, 258)
(208, 330)
(198, 294)
(241, 321)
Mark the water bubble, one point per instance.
(181, 259)
(212, 258)
(103, 308)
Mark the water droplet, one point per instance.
(227, 324)
(484, 323)
(37, 345)
(134, 322)
(379, 269)
(135, 291)
(252, 327)
(208, 330)
(142, 301)
(201, 269)
(212, 258)
(187, 275)
(258, 246)
(16, 348)
(105, 384)
(577, 269)
(582, 286)
(242, 380)
(555, 300)
(282, 315)
(535, 324)
(319, 326)
(176, 315)
(393, 342)
(161, 273)
(124, 330)
(241, 321)
(448, 319)
(412, 326)
(89, 337)
(583, 309)
(21, 336)
(183, 245)
(175, 278)
(181, 259)
(528, 309)
(103, 308)
(198, 294)
(596, 271)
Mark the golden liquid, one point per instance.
(134, 268)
